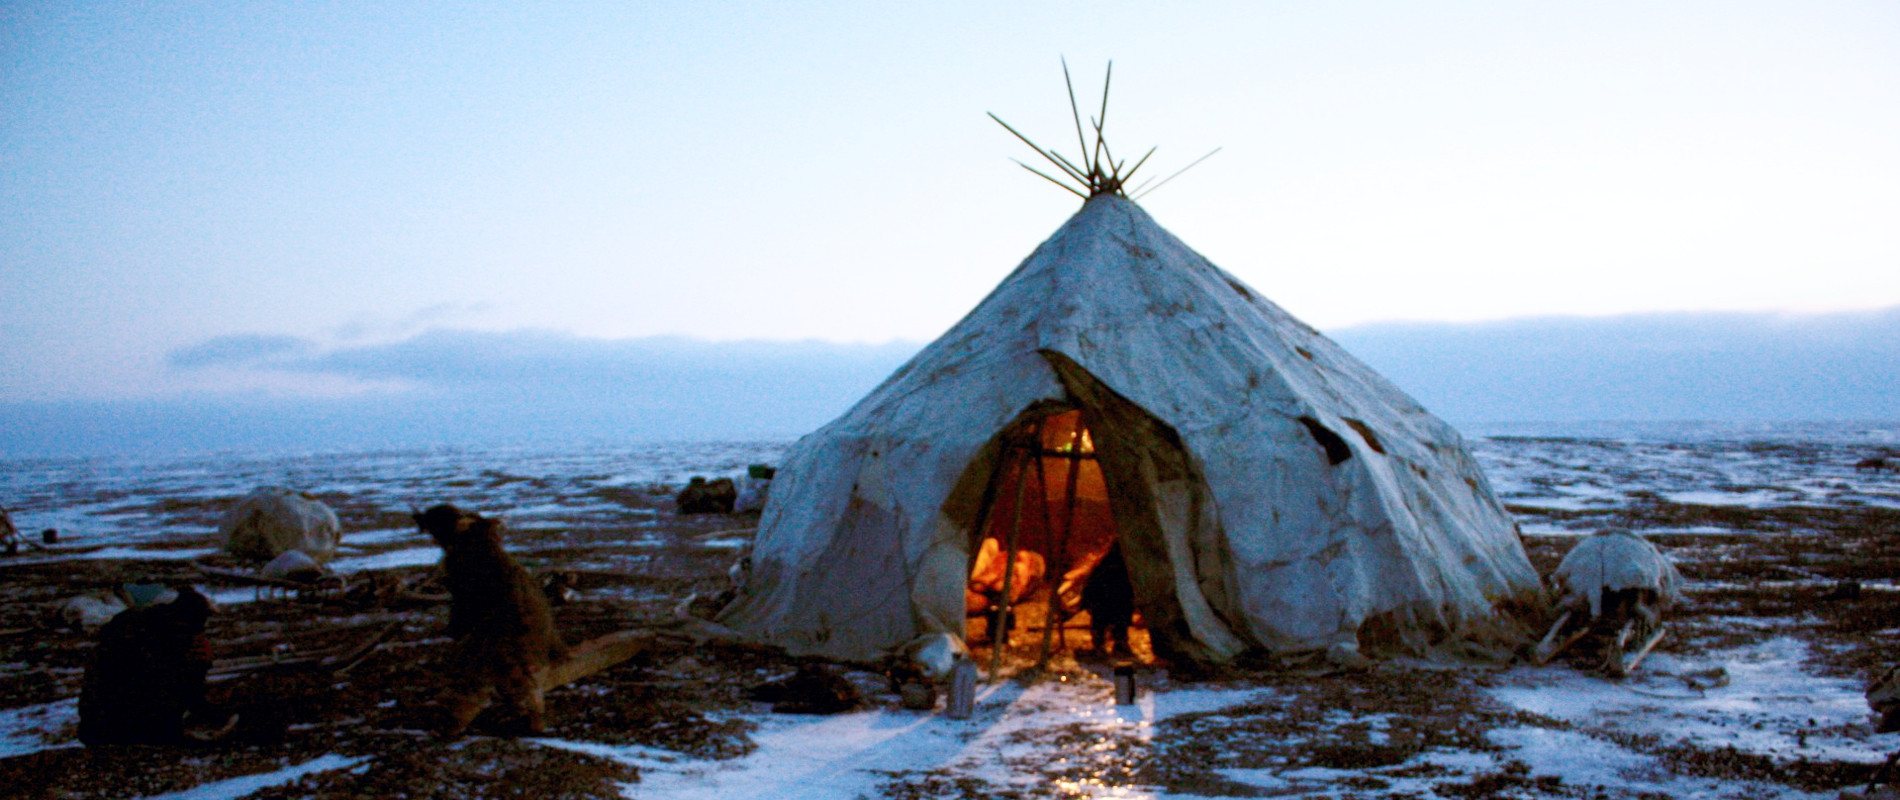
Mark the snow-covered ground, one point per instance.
(1558, 732)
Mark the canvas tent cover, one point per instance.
(1271, 491)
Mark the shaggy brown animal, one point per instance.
(147, 673)
(504, 634)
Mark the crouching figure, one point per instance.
(505, 643)
(147, 675)
(1616, 584)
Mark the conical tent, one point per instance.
(1268, 490)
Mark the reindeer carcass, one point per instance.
(1617, 583)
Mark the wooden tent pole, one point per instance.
(1076, 459)
(999, 629)
(1056, 616)
(981, 529)
(1048, 536)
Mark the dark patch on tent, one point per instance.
(1336, 450)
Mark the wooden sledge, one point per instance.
(333, 659)
(330, 583)
(1620, 661)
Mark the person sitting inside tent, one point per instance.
(1110, 600)
(985, 590)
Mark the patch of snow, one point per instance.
(1772, 705)
(232, 595)
(143, 554)
(1692, 530)
(1584, 760)
(1757, 498)
(30, 729)
(408, 557)
(239, 787)
(382, 536)
(1580, 760)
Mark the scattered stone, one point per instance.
(813, 689)
(701, 496)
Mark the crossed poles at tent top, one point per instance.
(1104, 174)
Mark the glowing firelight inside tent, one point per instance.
(1048, 504)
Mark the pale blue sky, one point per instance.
(354, 173)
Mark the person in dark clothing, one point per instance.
(147, 673)
(1110, 600)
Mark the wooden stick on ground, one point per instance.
(1629, 664)
(595, 655)
(1613, 663)
(1550, 647)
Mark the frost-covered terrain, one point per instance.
(1756, 693)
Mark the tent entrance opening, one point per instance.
(1047, 513)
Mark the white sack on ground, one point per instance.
(273, 520)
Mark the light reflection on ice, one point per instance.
(850, 755)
